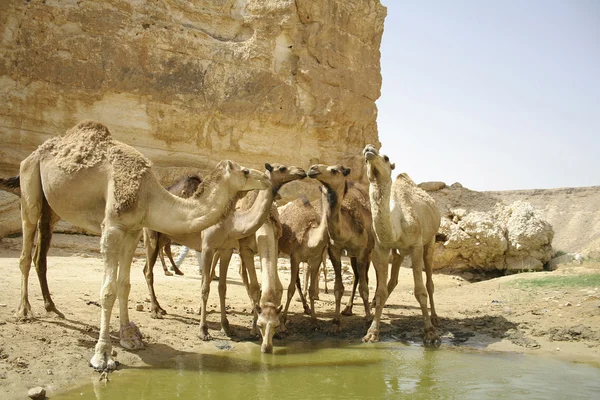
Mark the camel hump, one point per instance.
(90, 128)
(404, 177)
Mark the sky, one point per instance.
(494, 94)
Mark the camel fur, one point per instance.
(349, 227)
(304, 239)
(405, 219)
(108, 188)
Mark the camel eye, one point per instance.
(334, 170)
(246, 171)
(283, 169)
(386, 158)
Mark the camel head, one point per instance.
(378, 166)
(280, 174)
(268, 322)
(241, 178)
(332, 176)
(188, 186)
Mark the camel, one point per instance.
(218, 241)
(106, 187)
(184, 188)
(405, 219)
(304, 239)
(346, 205)
(268, 310)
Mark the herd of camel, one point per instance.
(106, 187)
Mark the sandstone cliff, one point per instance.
(191, 83)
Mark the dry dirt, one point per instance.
(494, 315)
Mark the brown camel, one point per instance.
(349, 226)
(184, 188)
(107, 187)
(405, 219)
(304, 239)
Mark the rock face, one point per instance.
(192, 83)
(509, 239)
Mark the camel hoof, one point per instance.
(24, 313)
(347, 311)
(132, 344)
(307, 311)
(178, 272)
(335, 327)
(101, 363)
(131, 337)
(431, 339)
(204, 335)
(215, 278)
(225, 328)
(52, 308)
(372, 336)
(156, 314)
(168, 273)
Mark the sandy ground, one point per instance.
(494, 315)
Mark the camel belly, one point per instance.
(79, 198)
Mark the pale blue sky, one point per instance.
(496, 95)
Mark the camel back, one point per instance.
(356, 204)
(298, 217)
(90, 143)
(409, 195)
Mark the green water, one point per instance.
(334, 370)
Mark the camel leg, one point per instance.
(31, 209)
(225, 255)
(381, 258)
(207, 257)
(167, 250)
(46, 225)
(348, 310)
(110, 246)
(162, 261)
(302, 295)
(363, 262)
(397, 259)
(131, 338)
(417, 256)
(313, 290)
(249, 271)
(294, 275)
(428, 260)
(156, 311)
(335, 256)
(213, 266)
(325, 272)
(306, 276)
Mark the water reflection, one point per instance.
(332, 370)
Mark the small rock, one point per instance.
(49, 372)
(568, 304)
(37, 393)
(2, 305)
(558, 349)
(139, 307)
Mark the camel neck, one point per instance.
(333, 207)
(380, 195)
(246, 222)
(175, 216)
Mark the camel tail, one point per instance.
(12, 185)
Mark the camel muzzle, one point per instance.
(313, 172)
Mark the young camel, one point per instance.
(405, 218)
(304, 239)
(125, 196)
(219, 240)
(349, 227)
(184, 188)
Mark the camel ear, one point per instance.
(279, 309)
(346, 171)
(393, 166)
(228, 166)
(268, 167)
(258, 309)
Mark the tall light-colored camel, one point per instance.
(304, 239)
(349, 227)
(107, 187)
(405, 218)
